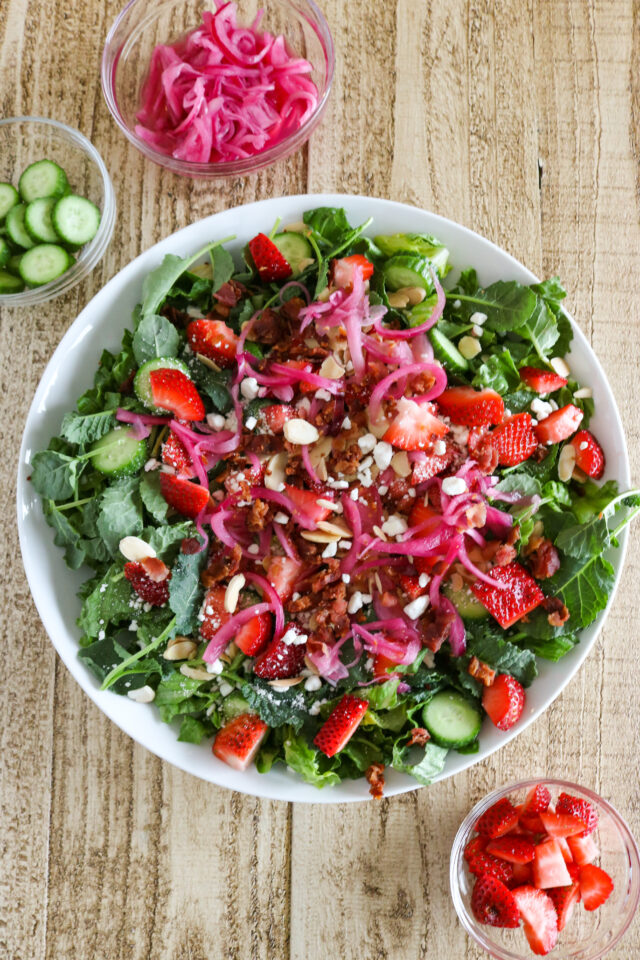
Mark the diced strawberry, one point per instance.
(537, 800)
(342, 270)
(471, 408)
(519, 596)
(475, 845)
(596, 886)
(172, 390)
(589, 454)
(214, 612)
(512, 849)
(559, 425)
(564, 900)
(561, 824)
(415, 427)
(340, 725)
(174, 454)
(282, 574)
(238, 741)
(306, 504)
(522, 873)
(580, 808)
(421, 513)
(155, 592)
(542, 381)
(381, 665)
(549, 868)
(493, 903)
(540, 920)
(531, 822)
(268, 260)
(277, 415)
(566, 851)
(253, 636)
(483, 864)
(213, 339)
(574, 871)
(184, 496)
(583, 849)
(411, 586)
(432, 465)
(514, 440)
(302, 385)
(280, 660)
(504, 701)
(498, 819)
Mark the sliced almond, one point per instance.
(202, 270)
(583, 393)
(300, 431)
(566, 462)
(378, 427)
(415, 294)
(329, 504)
(579, 475)
(232, 593)
(195, 673)
(135, 549)
(398, 299)
(320, 536)
(304, 263)
(331, 369)
(299, 226)
(400, 464)
(311, 342)
(180, 649)
(340, 529)
(379, 533)
(285, 683)
(321, 470)
(274, 474)
(320, 450)
(142, 694)
(208, 362)
(469, 347)
(560, 366)
(324, 295)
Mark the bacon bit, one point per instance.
(290, 309)
(514, 535)
(258, 515)
(155, 569)
(222, 566)
(268, 327)
(375, 777)
(177, 317)
(419, 737)
(504, 555)
(540, 453)
(436, 632)
(558, 613)
(544, 561)
(300, 604)
(481, 671)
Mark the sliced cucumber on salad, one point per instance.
(451, 719)
(118, 454)
(295, 248)
(416, 244)
(407, 271)
(446, 352)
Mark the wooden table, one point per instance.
(520, 119)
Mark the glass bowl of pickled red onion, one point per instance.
(210, 89)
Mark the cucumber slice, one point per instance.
(295, 248)
(466, 604)
(44, 178)
(418, 244)
(407, 271)
(234, 705)
(118, 454)
(446, 352)
(451, 719)
(44, 263)
(9, 197)
(75, 219)
(13, 266)
(9, 283)
(37, 220)
(142, 383)
(5, 252)
(16, 229)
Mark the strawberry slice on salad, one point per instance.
(342, 270)
(514, 440)
(559, 425)
(214, 612)
(254, 635)
(589, 454)
(213, 339)
(471, 408)
(238, 742)
(504, 701)
(276, 416)
(542, 381)
(282, 574)
(432, 465)
(184, 496)
(415, 427)
(173, 391)
(153, 591)
(174, 454)
(268, 260)
(340, 725)
(519, 595)
(280, 660)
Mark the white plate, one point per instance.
(70, 372)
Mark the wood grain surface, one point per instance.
(519, 118)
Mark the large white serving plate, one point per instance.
(70, 372)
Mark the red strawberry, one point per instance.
(280, 660)
(414, 427)
(596, 886)
(422, 513)
(498, 819)
(184, 496)
(434, 464)
(213, 339)
(566, 850)
(381, 665)
(342, 270)
(277, 415)
(215, 615)
(411, 586)
(482, 864)
(583, 849)
(239, 740)
(514, 440)
(564, 900)
(519, 596)
(307, 510)
(559, 425)
(513, 849)
(155, 592)
(537, 800)
(504, 701)
(574, 870)
(471, 408)
(174, 454)
(561, 824)
(493, 903)
(580, 808)
(475, 846)
(253, 636)
(540, 920)
(475, 438)
(542, 381)
(549, 868)
(269, 262)
(531, 822)
(340, 725)
(172, 390)
(589, 455)
(282, 574)
(522, 873)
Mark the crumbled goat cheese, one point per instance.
(453, 486)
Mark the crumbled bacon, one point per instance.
(558, 613)
(229, 293)
(540, 453)
(299, 604)
(544, 560)
(504, 555)
(514, 534)
(223, 563)
(291, 308)
(177, 317)
(436, 631)
(375, 779)
(190, 545)
(481, 671)
(258, 516)
(419, 737)
(268, 327)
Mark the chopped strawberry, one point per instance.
(307, 508)
(340, 725)
(493, 903)
(514, 440)
(566, 850)
(184, 496)
(282, 574)
(475, 845)
(512, 849)
(583, 849)
(522, 873)
(559, 425)
(411, 586)
(531, 822)
(239, 740)
(561, 824)
(342, 270)
(421, 513)
(414, 427)
(174, 454)
(539, 915)
(471, 408)
(519, 596)
(155, 592)
(549, 868)
(574, 871)
(483, 864)
(253, 636)
(476, 438)
(214, 612)
(504, 701)
(280, 660)
(537, 800)
(589, 455)
(564, 900)
(580, 808)
(432, 465)
(498, 819)
(277, 415)
(268, 260)
(381, 666)
(172, 390)
(596, 886)
(213, 339)
(542, 381)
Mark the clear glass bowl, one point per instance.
(145, 23)
(588, 935)
(23, 140)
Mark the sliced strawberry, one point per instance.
(415, 427)
(340, 725)
(531, 822)
(214, 612)
(239, 740)
(381, 666)
(282, 574)
(504, 701)
(493, 903)
(172, 390)
(596, 886)
(483, 864)
(280, 660)
(432, 465)
(174, 454)
(253, 636)
(522, 873)
(307, 509)
(564, 900)
(513, 849)
(277, 415)
(268, 260)
(155, 592)
(542, 381)
(537, 800)
(471, 408)
(589, 454)
(540, 920)
(580, 808)
(583, 849)
(475, 846)
(498, 819)
(574, 871)
(549, 868)
(514, 440)
(422, 513)
(520, 595)
(566, 850)
(561, 824)
(411, 586)
(342, 270)
(213, 339)
(184, 496)
(559, 425)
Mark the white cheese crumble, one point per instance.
(395, 525)
(250, 423)
(215, 668)
(215, 420)
(417, 607)
(281, 517)
(439, 448)
(367, 442)
(453, 486)
(312, 683)
(294, 637)
(478, 318)
(382, 454)
(541, 408)
(355, 602)
(249, 388)
(330, 550)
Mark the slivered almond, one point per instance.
(376, 577)
(135, 549)
(180, 648)
(285, 682)
(232, 593)
(379, 533)
(340, 529)
(208, 362)
(331, 369)
(300, 431)
(195, 673)
(321, 470)
(400, 464)
(274, 474)
(583, 393)
(319, 536)
(566, 462)
(142, 694)
(328, 504)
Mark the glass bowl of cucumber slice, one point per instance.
(57, 209)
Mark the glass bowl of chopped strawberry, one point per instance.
(545, 868)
